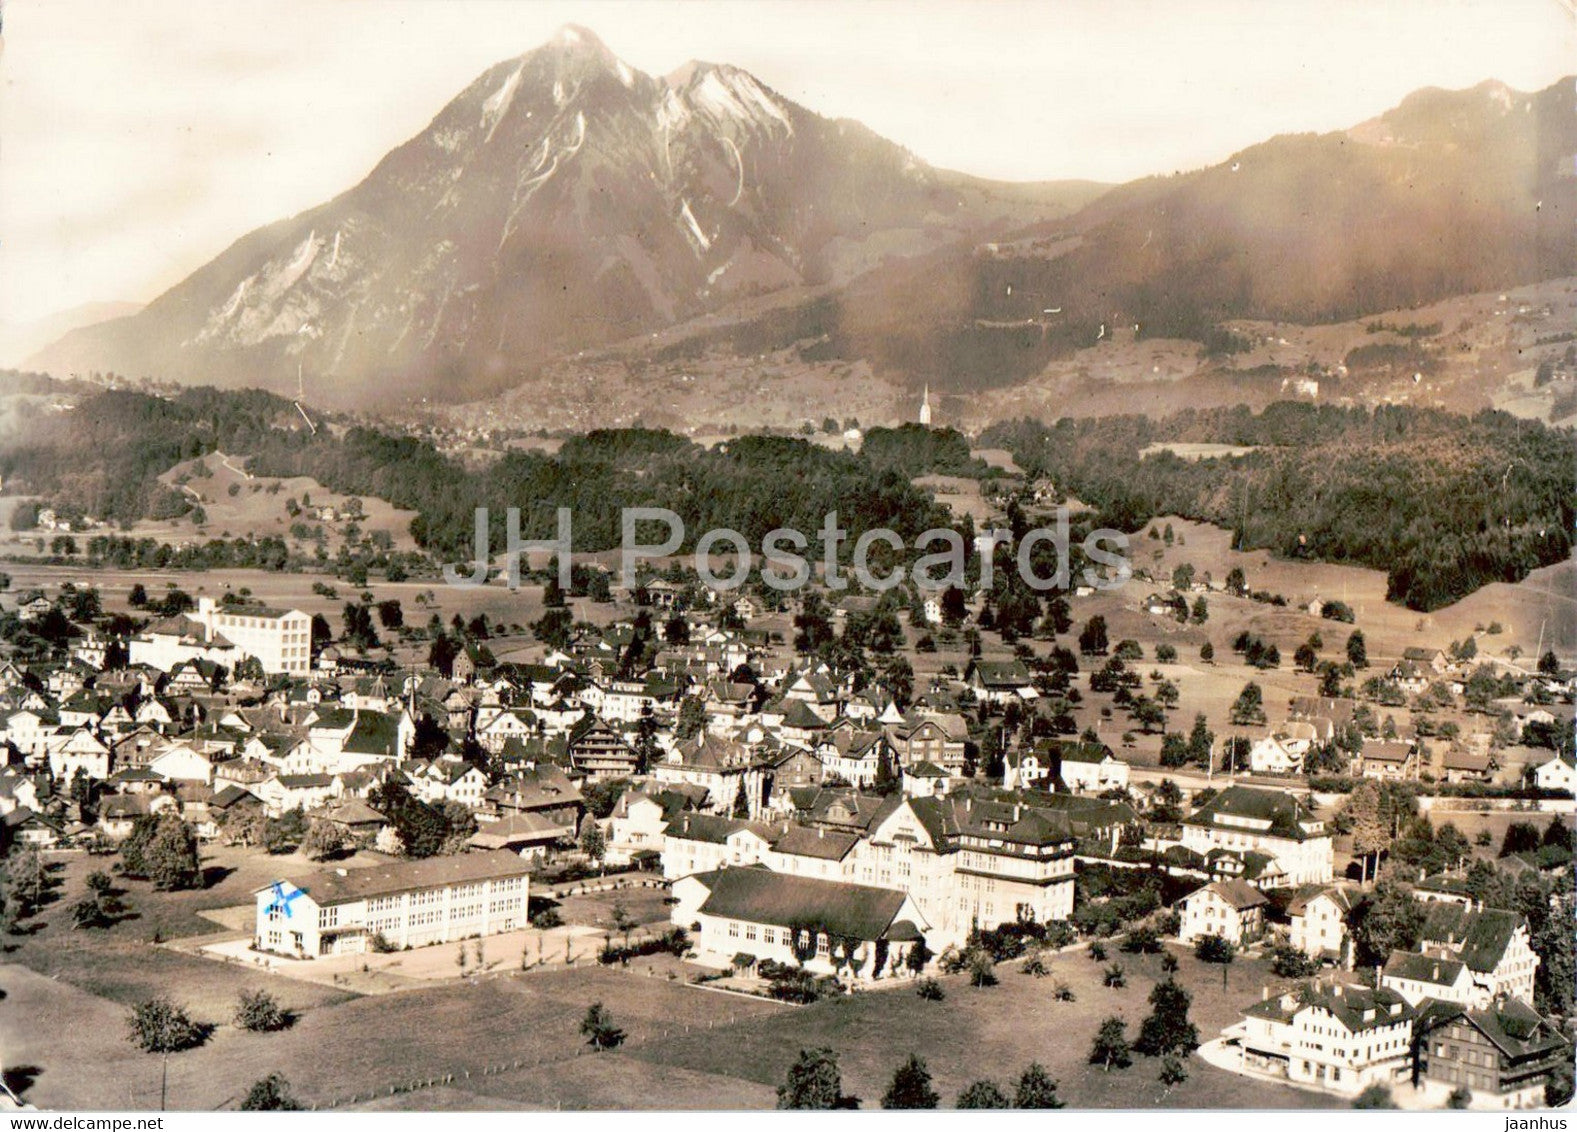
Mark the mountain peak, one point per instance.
(574, 37)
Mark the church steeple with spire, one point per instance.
(925, 406)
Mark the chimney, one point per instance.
(1435, 974)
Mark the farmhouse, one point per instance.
(1388, 759)
(1418, 977)
(408, 903)
(1503, 1055)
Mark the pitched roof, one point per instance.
(822, 844)
(758, 895)
(1479, 937)
(1239, 894)
(1514, 1027)
(1356, 1007)
(338, 886)
(1436, 971)
(1282, 811)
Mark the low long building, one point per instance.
(827, 926)
(408, 903)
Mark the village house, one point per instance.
(1231, 909)
(1001, 681)
(1318, 919)
(1503, 1055)
(407, 903)
(936, 737)
(599, 752)
(1283, 750)
(1494, 945)
(1427, 977)
(1388, 760)
(1556, 773)
(733, 778)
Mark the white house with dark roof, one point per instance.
(408, 903)
(1283, 750)
(1419, 977)
(1318, 920)
(1494, 945)
(1557, 773)
(829, 927)
(1231, 909)
(1338, 1038)
(1248, 818)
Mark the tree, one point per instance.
(170, 858)
(982, 1094)
(592, 841)
(1207, 653)
(692, 718)
(910, 1087)
(1167, 1029)
(1172, 1071)
(260, 1012)
(1461, 1097)
(1092, 638)
(1520, 837)
(1036, 1089)
(1357, 650)
(813, 1082)
(324, 840)
(1549, 664)
(1385, 920)
(598, 1029)
(271, 1094)
(1214, 949)
(26, 882)
(1361, 815)
(1375, 1096)
(1110, 1049)
(158, 1026)
(1249, 707)
(89, 913)
(982, 972)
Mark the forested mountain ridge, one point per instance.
(1443, 503)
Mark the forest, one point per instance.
(1443, 503)
(104, 458)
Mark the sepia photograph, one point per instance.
(714, 556)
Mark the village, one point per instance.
(813, 798)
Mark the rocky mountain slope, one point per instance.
(563, 200)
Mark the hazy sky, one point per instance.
(138, 138)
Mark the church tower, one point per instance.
(925, 406)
